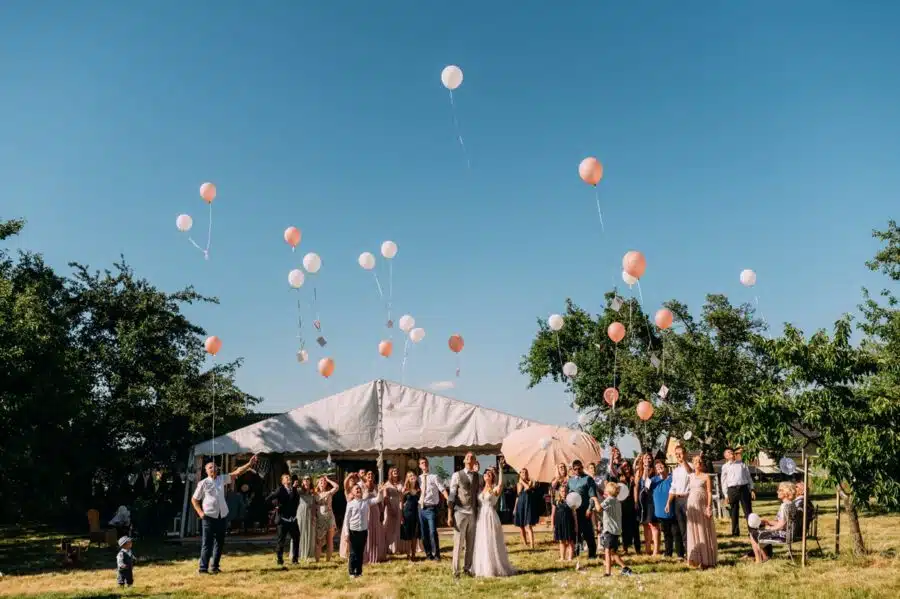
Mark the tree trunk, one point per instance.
(859, 548)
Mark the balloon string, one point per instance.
(300, 322)
(316, 306)
(390, 289)
(214, 410)
(599, 212)
(646, 318)
(208, 233)
(403, 363)
(764, 319)
(558, 349)
(458, 134)
(378, 283)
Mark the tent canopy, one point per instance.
(348, 423)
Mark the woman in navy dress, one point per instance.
(526, 511)
(409, 516)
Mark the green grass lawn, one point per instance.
(31, 568)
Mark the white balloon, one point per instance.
(623, 492)
(787, 465)
(629, 280)
(416, 335)
(452, 77)
(688, 435)
(555, 321)
(574, 500)
(570, 369)
(388, 249)
(367, 260)
(296, 278)
(407, 323)
(748, 278)
(312, 263)
(584, 419)
(754, 521)
(302, 356)
(544, 443)
(184, 222)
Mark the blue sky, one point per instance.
(733, 135)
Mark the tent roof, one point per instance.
(348, 422)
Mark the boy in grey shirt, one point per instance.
(612, 528)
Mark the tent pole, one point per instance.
(380, 384)
(187, 483)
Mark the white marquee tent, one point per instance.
(368, 420)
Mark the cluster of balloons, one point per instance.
(367, 259)
(184, 222)
(408, 325)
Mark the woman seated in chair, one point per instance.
(775, 531)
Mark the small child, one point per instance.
(357, 526)
(565, 526)
(612, 528)
(125, 563)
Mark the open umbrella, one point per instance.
(540, 448)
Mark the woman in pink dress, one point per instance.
(376, 548)
(702, 546)
(392, 516)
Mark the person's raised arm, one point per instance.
(334, 487)
(271, 497)
(241, 469)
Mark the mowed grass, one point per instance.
(31, 568)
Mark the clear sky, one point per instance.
(734, 135)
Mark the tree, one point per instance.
(718, 376)
(103, 377)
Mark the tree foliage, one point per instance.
(729, 383)
(103, 377)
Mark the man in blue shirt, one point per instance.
(659, 487)
(585, 486)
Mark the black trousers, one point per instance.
(668, 536)
(287, 529)
(212, 540)
(357, 548)
(125, 576)
(586, 532)
(680, 505)
(738, 497)
(631, 536)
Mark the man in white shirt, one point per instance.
(462, 506)
(737, 488)
(357, 518)
(209, 503)
(677, 502)
(429, 499)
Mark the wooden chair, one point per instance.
(813, 526)
(97, 534)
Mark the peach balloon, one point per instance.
(611, 395)
(590, 170)
(213, 345)
(326, 367)
(616, 331)
(292, 236)
(645, 410)
(456, 343)
(634, 264)
(664, 318)
(385, 348)
(208, 192)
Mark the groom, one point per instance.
(462, 506)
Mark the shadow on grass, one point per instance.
(36, 550)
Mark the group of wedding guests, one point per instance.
(674, 509)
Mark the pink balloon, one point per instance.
(611, 395)
(208, 192)
(590, 170)
(616, 332)
(664, 318)
(292, 236)
(634, 264)
(645, 410)
(213, 345)
(326, 367)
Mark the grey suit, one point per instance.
(465, 487)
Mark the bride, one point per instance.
(490, 556)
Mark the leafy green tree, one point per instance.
(721, 382)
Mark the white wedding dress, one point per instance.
(490, 557)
